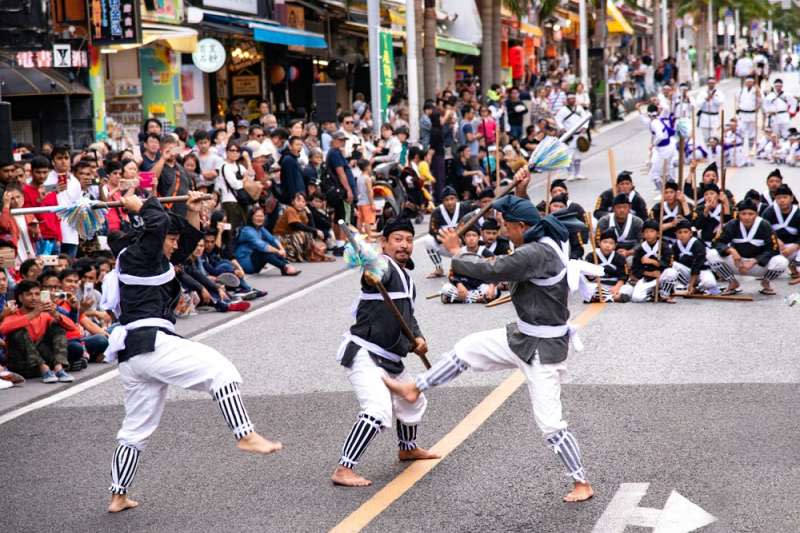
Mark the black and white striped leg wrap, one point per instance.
(364, 430)
(406, 436)
(666, 288)
(474, 296)
(683, 277)
(772, 274)
(230, 404)
(566, 447)
(722, 270)
(123, 468)
(442, 371)
(436, 258)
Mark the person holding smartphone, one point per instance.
(169, 176)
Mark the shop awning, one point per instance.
(17, 81)
(530, 29)
(178, 38)
(616, 22)
(266, 33)
(456, 46)
(264, 30)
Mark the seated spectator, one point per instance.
(36, 337)
(301, 241)
(218, 263)
(194, 279)
(256, 246)
(8, 378)
(22, 230)
(90, 340)
(320, 218)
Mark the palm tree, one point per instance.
(429, 50)
(487, 44)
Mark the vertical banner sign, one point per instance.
(160, 84)
(387, 71)
(97, 84)
(114, 22)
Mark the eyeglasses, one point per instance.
(347, 122)
(233, 150)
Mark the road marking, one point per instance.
(678, 516)
(379, 502)
(80, 387)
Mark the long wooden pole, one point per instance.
(497, 157)
(694, 159)
(722, 150)
(661, 227)
(102, 205)
(681, 147)
(588, 217)
(612, 169)
(547, 193)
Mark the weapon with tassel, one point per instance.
(373, 265)
(88, 216)
(550, 154)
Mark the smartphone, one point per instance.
(146, 179)
(226, 226)
(88, 289)
(62, 179)
(49, 260)
(45, 296)
(125, 184)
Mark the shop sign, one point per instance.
(114, 22)
(209, 56)
(387, 71)
(45, 59)
(128, 88)
(245, 86)
(62, 55)
(296, 18)
(169, 11)
(239, 6)
(244, 55)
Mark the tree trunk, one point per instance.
(497, 31)
(673, 31)
(701, 39)
(658, 53)
(429, 51)
(486, 45)
(600, 25)
(420, 25)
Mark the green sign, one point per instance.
(387, 71)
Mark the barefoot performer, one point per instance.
(374, 348)
(143, 292)
(541, 277)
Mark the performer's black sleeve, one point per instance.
(698, 258)
(189, 237)
(601, 207)
(771, 246)
(150, 246)
(526, 262)
(723, 242)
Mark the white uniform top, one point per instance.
(665, 105)
(710, 107)
(747, 104)
(567, 118)
(663, 136)
(682, 107)
(781, 105)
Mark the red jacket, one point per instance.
(49, 224)
(37, 326)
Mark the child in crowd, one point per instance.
(365, 200)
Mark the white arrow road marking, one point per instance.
(678, 516)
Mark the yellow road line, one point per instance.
(371, 508)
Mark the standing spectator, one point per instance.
(150, 153)
(292, 180)
(467, 135)
(68, 193)
(516, 111)
(230, 180)
(351, 139)
(557, 98)
(210, 162)
(437, 146)
(169, 176)
(365, 201)
(35, 335)
(112, 191)
(341, 187)
(425, 124)
(487, 127)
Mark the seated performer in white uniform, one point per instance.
(784, 216)
(142, 292)
(749, 247)
(689, 261)
(446, 215)
(541, 276)
(651, 267)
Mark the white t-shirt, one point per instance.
(209, 161)
(71, 196)
(228, 182)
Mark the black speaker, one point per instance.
(6, 156)
(325, 102)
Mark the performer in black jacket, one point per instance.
(142, 292)
(373, 348)
(448, 214)
(689, 261)
(747, 246)
(605, 202)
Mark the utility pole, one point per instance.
(374, 23)
(584, 46)
(711, 39)
(411, 70)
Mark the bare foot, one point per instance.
(120, 502)
(794, 281)
(579, 493)
(347, 477)
(417, 454)
(255, 443)
(405, 389)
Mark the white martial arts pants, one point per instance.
(375, 399)
(748, 128)
(145, 378)
(434, 249)
(487, 351)
(705, 279)
(781, 125)
(657, 167)
(574, 169)
(726, 268)
(645, 288)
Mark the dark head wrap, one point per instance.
(558, 183)
(683, 224)
(712, 168)
(486, 193)
(490, 224)
(711, 187)
(783, 189)
(398, 224)
(449, 191)
(621, 198)
(775, 174)
(754, 195)
(747, 205)
(608, 234)
(650, 224)
(671, 185)
(625, 175)
(559, 198)
(474, 229)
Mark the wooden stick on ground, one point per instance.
(499, 301)
(723, 297)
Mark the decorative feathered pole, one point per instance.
(362, 255)
(88, 216)
(550, 154)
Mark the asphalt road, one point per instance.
(699, 398)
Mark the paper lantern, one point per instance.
(277, 74)
(515, 55)
(294, 73)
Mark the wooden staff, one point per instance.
(694, 159)
(722, 297)
(588, 217)
(102, 205)
(497, 156)
(661, 226)
(681, 147)
(547, 194)
(722, 149)
(499, 301)
(612, 169)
